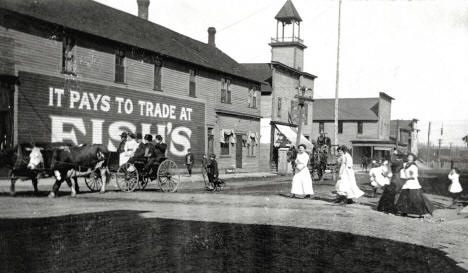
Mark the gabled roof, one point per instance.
(288, 13)
(349, 109)
(97, 19)
(261, 72)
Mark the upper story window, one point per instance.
(252, 97)
(192, 85)
(279, 108)
(157, 74)
(68, 55)
(225, 90)
(359, 127)
(120, 66)
(321, 127)
(340, 127)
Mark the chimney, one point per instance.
(211, 36)
(143, 8)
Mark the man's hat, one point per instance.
(132, 135)
(148, 137)
(123, 134)
(139, 136)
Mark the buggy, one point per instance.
(131, 176)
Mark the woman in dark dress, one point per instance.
(387, 200)
(411, 199)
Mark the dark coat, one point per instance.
(159, 151)
(212, 168)
(189, 159)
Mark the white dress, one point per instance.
(129, 150)
(302, 182)
(346, 185)
(379, 176)
(455, 187)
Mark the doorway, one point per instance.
(239, 144)
(6, 115)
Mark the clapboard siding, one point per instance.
(139, 73)
(94, 64)
(241, 126)
(37, 52)
(7, 52)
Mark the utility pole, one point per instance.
(428, 140)
(337, 73)
(397, 135)
(302, 99)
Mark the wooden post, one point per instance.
(428, 140)
(299, 128)
(337, 73)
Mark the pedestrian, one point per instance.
(364, 163)
(379, 175)
(302, 182)
(389, 195)
(346, 187)
(212, 171)
(189, 159)
(123, 139)
(411, 199)
(455, 188)
(158, 155)
(129, 148)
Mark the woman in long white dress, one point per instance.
(346, 186)
(302, 181)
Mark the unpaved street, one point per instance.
(248, 227)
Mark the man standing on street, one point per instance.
(189, 159)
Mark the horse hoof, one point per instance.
(12, 193)
(73, 194)
(51, 195)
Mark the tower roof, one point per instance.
(288, 13)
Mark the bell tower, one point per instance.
(288, 47)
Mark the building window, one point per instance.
(120, 66)
(359, 127)
(225, 90)
(68, 55)
(340, 127)
(192, 86)
(225, 145)
(321, 127)
(157, 74)
(279, 107)
(252, 97)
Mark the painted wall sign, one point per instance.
(52, 109)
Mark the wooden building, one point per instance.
(281, 77)
(363, 124)
(81, 72)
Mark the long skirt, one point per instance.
(302, 183)
(347, 185)
(413, 201)
(387, 200)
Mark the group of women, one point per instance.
(403, 195)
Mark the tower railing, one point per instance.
(287, 40)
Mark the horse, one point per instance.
(291, 156)
(18, 160)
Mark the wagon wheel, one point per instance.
(94, 181)
(168, 176)
(127, 177)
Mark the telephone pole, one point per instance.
(428, 140)
(337, 73)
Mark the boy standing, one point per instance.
(189, 159)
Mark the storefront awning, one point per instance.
(380, 148)
(291, 135)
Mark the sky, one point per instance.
(415, 51)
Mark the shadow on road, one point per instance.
(124, 241)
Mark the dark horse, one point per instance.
(17, 159)
(291, 157)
